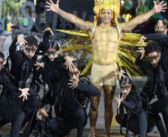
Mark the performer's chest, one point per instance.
(106, 35)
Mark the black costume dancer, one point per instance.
(41, 58)
(156, 86)
(21, 67)
(130, 99)
(22, 59)
(10, 103)
(72, 100)
(135, 104)
(49, 70)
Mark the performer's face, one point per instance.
(106, 16)
(29, 51)
(1, 63)
(154, 58)
(52, 54)
(160, 27)
(126, 88)
(75, 74)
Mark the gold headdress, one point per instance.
(114, 5)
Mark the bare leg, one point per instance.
(108, 98)
(94, 113)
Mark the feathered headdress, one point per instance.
(114, 5)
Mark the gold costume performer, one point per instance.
(105, 39)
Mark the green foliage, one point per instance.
(11, 8)
(4, 8)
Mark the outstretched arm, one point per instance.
(84, 25)
(129, 26)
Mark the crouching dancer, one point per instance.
(10, 101)
(137, 111)
(70, 107)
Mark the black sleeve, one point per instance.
(32, 103)
(15, 56)
(61, 59)
(161, 38)
(155, 36)
(10, 90)
(36, 75)
(44, 45)
(148, 90)
(24, 74)
(89, 89)
(121, 109)
(46, 37)
(164, 60)
(130, 105)
(9, 86)
(142, 64)
(12, 48)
